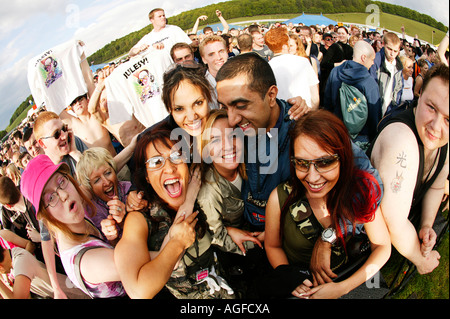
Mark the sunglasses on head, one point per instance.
(57, 134)
(322, 165)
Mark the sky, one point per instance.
(29, 27)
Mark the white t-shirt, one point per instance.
(25, 264)
(294, 75)
(55, 76)
(170, 35)
(135, 87)
(388, 93)
(408, 93)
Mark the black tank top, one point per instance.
(407, 117)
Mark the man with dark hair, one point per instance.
(31, 144)
(247, 90)
(181, 52)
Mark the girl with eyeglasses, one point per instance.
(325, 203)
(171, 190)
(63, 207)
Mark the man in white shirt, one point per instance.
(214, 54)
(294, 74)
(163, 36)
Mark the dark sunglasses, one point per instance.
(57, 134)
(322, 165)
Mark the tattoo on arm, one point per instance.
(401, 160)
(396, 183)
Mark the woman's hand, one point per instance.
(135, 201)
(116, 209)
(109, 228)
(239, 236)
(182, 229)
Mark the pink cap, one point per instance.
(35, 177)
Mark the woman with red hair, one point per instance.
(327, 199)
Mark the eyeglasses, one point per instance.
(57, 134)
(322, 165)
(54, 197)
(157, 162)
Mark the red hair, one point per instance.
(354, 197)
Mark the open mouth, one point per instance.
(316, 187)
(173, 187)
(72, 206)
(110, 192)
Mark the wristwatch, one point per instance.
(329, 235)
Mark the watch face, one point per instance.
(327, 233)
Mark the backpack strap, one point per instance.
(76, 268)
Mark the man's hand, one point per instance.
(320, 263)
(298, 109)
(428, 237)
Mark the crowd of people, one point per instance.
(248, 175)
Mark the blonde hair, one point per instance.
(91, 159)
(300, 47)
(210, 39)
(206, 138)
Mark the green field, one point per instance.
(388, 21)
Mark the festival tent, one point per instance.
(311, 19)
(97, 66)
(220, 26)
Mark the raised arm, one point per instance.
(225, 25)
(197, 22)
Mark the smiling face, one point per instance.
(215, 55)
(317, 185)
(190, 108)
(224, 149)
(432, 114)
(169, 182)
(342, 35)
(69, 208)
(246, 108)
(104, 181)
